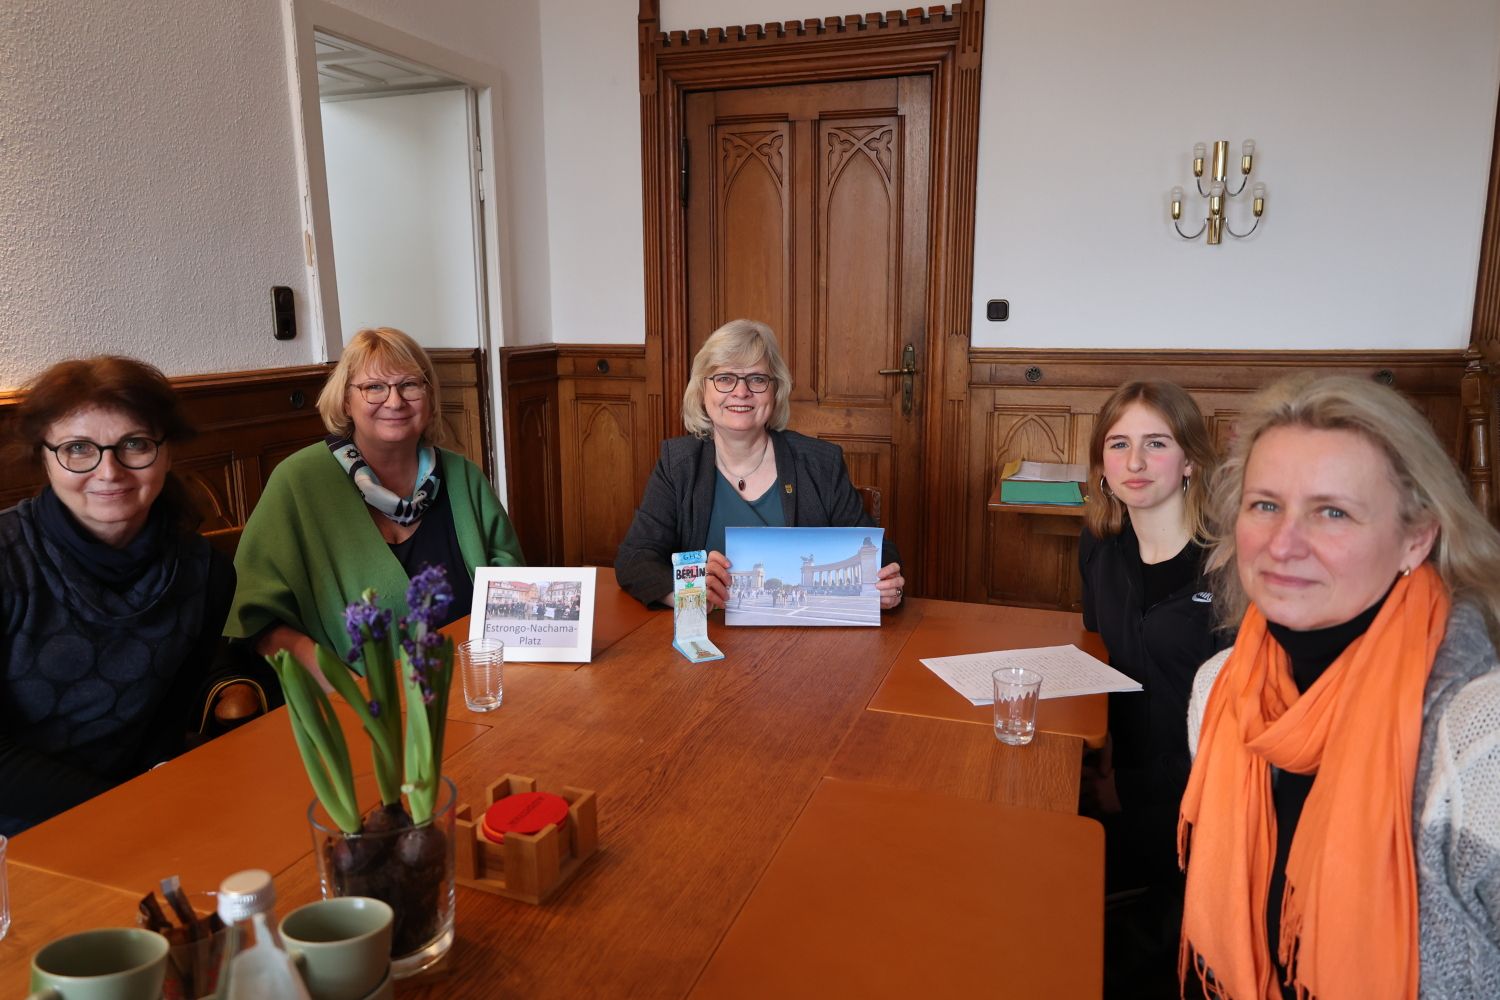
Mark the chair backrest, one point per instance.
(226, 540)
(870, 497)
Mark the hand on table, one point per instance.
(891, 585)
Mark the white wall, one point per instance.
(400, 197)
(148, 194)
(593, 135)
(1372, 120)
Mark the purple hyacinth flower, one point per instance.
(374, 709)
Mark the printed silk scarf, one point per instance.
(1349, 913)
(402, 510)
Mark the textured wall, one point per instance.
(150, 196)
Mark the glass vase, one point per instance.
(407, 866)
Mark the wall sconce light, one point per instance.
(1215, 223)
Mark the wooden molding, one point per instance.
(577, 447)
(1486, 329)
(943, 45)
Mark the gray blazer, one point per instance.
(673, 516)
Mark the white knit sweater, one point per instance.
(1455, 809)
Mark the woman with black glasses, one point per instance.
(367, 507)
(111, 605)
(738, 467)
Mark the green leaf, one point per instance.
(385, 757)
(324, 755)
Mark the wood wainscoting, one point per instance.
(248, 421)
(1041, 405)
(579, 448)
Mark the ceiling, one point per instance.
(348, 71)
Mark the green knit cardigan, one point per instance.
(310, 548)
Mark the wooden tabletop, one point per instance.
(45, 906)
(701, 770)
(880, 893)
(911, 689)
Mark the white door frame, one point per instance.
(301, 19)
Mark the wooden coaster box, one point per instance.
(528, 867)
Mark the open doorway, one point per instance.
(401, 217)
(398, 145)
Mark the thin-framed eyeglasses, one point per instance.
(727, 382)
(411, 390)
(83, 455)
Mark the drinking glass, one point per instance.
(1016, 693)
(481, 664)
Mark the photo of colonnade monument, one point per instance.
(803, 576)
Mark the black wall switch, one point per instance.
(998, 310)
(283, 312)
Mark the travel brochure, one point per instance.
(690, 607)
(542, 614)
(803, 576)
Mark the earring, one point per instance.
(1185, 481)
(1406, 571)
(1104, 487)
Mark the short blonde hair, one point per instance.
(1105, 514)
(1466, 552)
(740, 343)
(388, 348)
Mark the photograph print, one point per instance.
(541, 614)
(802, 576)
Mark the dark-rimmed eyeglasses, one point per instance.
(411, 390)
(83, 455)
(726, 382)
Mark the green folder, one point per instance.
(1026, 491)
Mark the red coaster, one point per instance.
(525, 812)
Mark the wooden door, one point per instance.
(806, 209)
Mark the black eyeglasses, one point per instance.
(83, 455)
(411, 390)
(727, 381)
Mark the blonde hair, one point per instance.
(384, 347)
(1105, 514)
(740, 343)
(1466, 552)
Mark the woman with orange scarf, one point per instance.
(1341, 825)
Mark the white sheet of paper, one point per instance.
(1051, 472)
(1067, 671)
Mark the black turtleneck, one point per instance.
(1311, 653)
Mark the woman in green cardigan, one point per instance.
(368, 507)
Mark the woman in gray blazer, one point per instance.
(738, 467)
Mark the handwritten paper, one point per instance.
(1067, 672)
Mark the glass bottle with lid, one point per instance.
(261, 970)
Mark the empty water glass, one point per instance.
(1016, 693)
(481, 664)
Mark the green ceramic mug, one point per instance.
(342, 946)
(115, 963)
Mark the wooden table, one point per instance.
(1008, 894)
(701, 770)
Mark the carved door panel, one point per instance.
(807, 209)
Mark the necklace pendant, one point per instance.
(741, 485)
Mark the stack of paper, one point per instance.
(1042, 483)
(1067, 672)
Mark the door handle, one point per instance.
(907, 371)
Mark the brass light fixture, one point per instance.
(1215, 224)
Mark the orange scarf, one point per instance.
(1349, 912)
